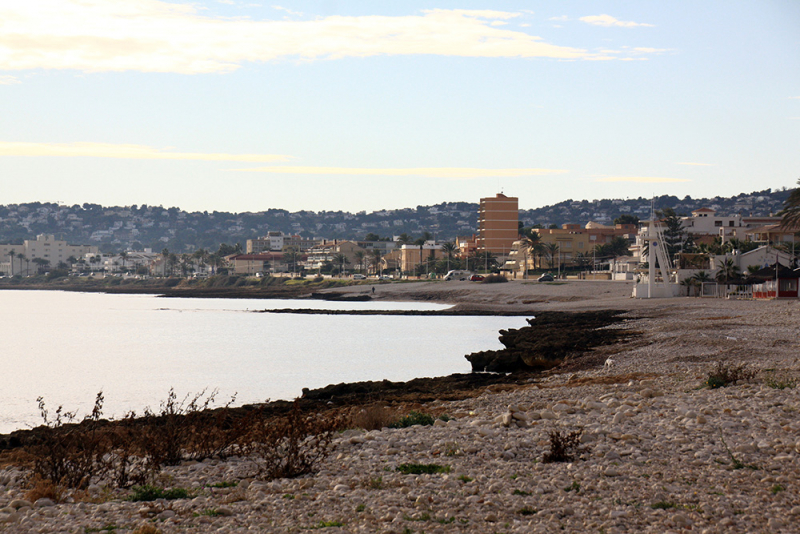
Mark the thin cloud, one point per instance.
(608, 21)
(428, 172)
(642, 179)
(287, 10)
(156, 36)
(9, 80)
(794, 97)
(107, 150)
(562, 18)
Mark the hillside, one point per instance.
(115, 228)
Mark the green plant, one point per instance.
(423, 469)
(413, 418)
(465, 478)
(777, 488)
(562, 446)
(494, 279)
(725, 374)
(376, 483)
(575, 486)
(527, 511)
(446, 521)
(735, 462)
(108, 528)
(520, 492)
(224, 484)
(663, 505)
(327, 524)
(210, 512)
(782, 381)
(288, 496)
(151, 493)
(361, 507)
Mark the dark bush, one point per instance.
(413, 418)
(494, 279)
(562, 446)
(726, 374)
(292, 445)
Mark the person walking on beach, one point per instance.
(373, 290)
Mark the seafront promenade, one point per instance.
(659, 450)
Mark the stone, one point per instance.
(341, 488)
(20, 503)
(44, 502)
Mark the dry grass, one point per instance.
(147, 529)
(373, 417)
(44, 489)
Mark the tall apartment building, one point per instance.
(46, 247)
(498, 226)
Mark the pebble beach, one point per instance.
(659, 451)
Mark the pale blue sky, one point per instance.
(244, 106)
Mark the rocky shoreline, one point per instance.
(659, 450)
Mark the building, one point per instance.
(330, 250)
(45, 248)
(251, 264)
(278, 241)
(498, 224)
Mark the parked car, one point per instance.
(546, 278)
(457, 275)
(384, 277)
(476, 278)
(359, 277)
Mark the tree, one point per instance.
(123, 256)
(790, 214)
(550, 251)
(165, 259)
(41, 264)
(404, 239)
(530, 245)
(674, 233)
(290, 256)
(376, 257)
(340, 260)
(21, 258)
(449, 249)
(627, 219)
(12, 254)
(358, 255)
(372, 237)
(728, 271)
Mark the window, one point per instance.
(717, 223)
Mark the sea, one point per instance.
(66, 347)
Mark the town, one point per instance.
(707, 253)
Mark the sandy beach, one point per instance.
(659, 450)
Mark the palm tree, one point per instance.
(550, 250)
(791, 210)
(404, 239)
(358, 255)
(123, 256)
(701, 277)
(11, 255)
(165, 258)
(376, 260)
(449, 249)
(41, 263)
(21, 258)
(529, 246)
(728, 271)
(340, 260)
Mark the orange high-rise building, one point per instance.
(498, 225)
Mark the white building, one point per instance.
(46, 247)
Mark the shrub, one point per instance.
(780, 381)
(373, 417)
(151, 493)
(292, 445)
(423, 469)
(413, 418)
(724, 375)
(69, 454)
(494, 279)
(146, 529)
(562, 446)
(44, 488)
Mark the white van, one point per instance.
(457, 275)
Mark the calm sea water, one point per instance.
(67, 346)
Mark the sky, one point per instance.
(244, 105)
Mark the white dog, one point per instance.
(609, 363)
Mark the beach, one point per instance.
(658, 450)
